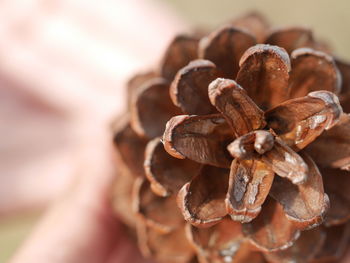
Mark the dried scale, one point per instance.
(237, 149)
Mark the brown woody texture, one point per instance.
(236, 148)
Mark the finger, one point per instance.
(81, 224)
(126, 251)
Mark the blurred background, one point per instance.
(63, 65)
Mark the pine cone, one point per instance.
(259, 165)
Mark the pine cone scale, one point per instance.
(165, 173)
(202, 201)
(224, 47)
(199, 138)
(249, 185)
(264, 74)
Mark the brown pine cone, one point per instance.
(258, 168)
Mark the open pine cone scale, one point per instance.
(258, 163)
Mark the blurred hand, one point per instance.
(80, 227)
(63, 65)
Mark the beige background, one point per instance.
(329, 19)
